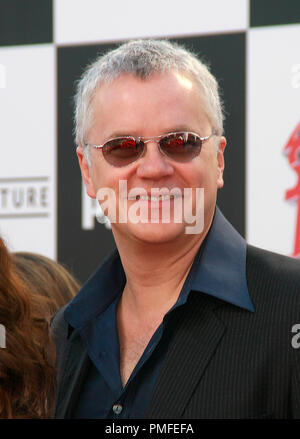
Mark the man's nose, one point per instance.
(154, 164)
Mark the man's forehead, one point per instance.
(163, 103)
(168, 88)
(184, 79)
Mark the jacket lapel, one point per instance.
(193, 344)
(74, 372)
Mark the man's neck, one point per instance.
(155, 273)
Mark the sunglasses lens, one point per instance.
(181, 147)
(122, 151)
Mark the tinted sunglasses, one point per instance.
(181, 147)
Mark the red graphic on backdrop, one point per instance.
(292, 151)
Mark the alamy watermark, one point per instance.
(295, 72)
(2, 76)
(296, 338)
(2, 337)
(159, 205)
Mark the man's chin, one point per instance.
(152, 233)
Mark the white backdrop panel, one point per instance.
(98, 20)
(28, 143)
(273, 112)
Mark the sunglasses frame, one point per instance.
(145, 140)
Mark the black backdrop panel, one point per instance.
(83, 250)
(217, 50)
(25, 22)
(270, 12)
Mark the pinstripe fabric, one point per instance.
(223, 361)
(243, 364)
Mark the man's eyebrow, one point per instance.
(181, 128)
(135, 133)
(119, 134)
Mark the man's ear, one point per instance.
(85, 172)
(221, 162)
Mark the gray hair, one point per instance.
(142, 58)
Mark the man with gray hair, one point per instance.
(184, 319)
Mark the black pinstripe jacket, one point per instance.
(223, 361)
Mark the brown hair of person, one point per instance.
(45, 276)
(27, 375)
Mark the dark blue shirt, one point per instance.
(218, 269)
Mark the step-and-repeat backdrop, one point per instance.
(252, 47)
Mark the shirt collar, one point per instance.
(98, 292)
(219, 270)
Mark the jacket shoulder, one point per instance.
(273, 273)
(275, 262)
